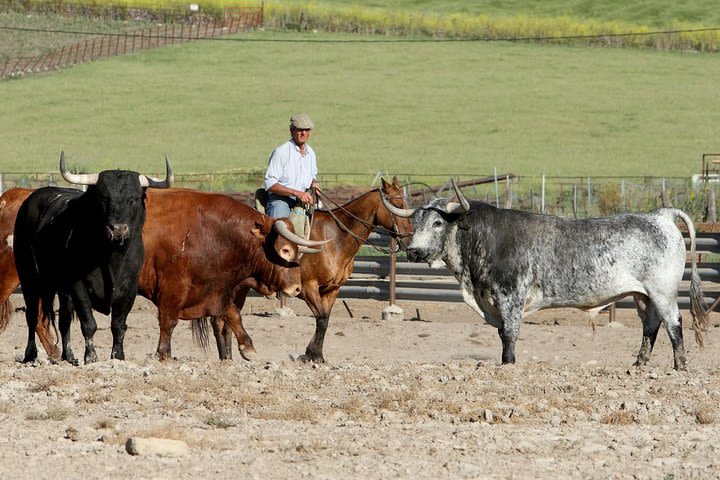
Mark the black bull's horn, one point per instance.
(92, 178)
(282, 229)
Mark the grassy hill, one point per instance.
(401, 107)
(409, 107)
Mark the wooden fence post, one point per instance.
(393, 266)
(711, 211)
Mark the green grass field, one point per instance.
(426, 107)
(413, 107)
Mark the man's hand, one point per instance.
(305, 197)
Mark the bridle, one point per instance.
(394, 232)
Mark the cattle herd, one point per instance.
(196, 256)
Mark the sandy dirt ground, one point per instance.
(419, 398)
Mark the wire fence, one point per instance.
(580, 197)
(107, 45)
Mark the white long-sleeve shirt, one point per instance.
(288, 168)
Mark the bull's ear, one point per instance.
(461, 220)
(260, 230)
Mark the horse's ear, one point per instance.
(385, 185)
(395, 181)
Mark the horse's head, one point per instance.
(394, 194)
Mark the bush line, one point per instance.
(307, 16)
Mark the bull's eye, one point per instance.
(437, 223)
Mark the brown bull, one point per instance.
(323, 274)
(198, 262)
(202, 253)
(10, 202)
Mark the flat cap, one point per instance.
(301, 120)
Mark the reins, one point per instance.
(395, 232)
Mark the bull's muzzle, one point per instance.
(415, 255)
(117, 232)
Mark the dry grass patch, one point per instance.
(704, 415)
(169, 431)
(220, 421)
(104, 424)
(96, 396)
(45, 383)
(619, 417)
(53, 413)
(6, 406)
(296, 412)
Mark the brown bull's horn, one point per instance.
(282, 229)
(400, 212)
(151, 182)
(77, 179)
(461, 198)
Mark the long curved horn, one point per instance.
(283, 230)
(400, 212)
(461, 198)
(302, 249)
(77, 179)
(151, 182)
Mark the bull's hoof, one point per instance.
(163, 356)
(248, 352)
(29, 359)
(91, 358)
(311, 359)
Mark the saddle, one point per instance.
(299, 216)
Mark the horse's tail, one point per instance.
(698, 309)
(199, 327)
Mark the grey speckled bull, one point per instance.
(510, 263)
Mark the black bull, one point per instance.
(85, 247)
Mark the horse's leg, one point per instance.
(321, 306)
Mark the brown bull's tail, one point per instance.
(48, 337)
(200, 336)
(6, 309)
(698, 308)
